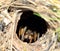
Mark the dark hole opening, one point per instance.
(31, 27)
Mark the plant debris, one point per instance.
(10, 14)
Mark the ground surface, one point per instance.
(8, 38)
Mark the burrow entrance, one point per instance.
(31, 27)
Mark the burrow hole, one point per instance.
(31, 27)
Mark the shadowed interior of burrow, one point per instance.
(33, 23)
